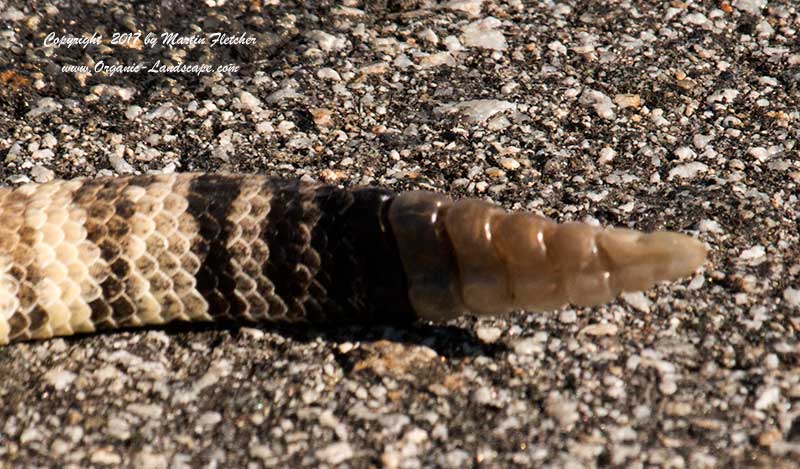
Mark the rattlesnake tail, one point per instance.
(87, 255)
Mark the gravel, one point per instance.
(648, 114)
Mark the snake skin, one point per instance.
(86, 255)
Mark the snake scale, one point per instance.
(86, 255)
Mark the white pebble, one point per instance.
(771, 361)
(60, 379)
(328, 73)
(335, 453)
(753, 7)
(599, 101)
(42, 174)
(709, 226)
(768, 398)
(638, 301)
(452, 44)
(105, 457)
(209, 419)
(327, 42)
(44, 106)
(483, 34)
(700, 141)
(477, 110)
(428, 36)
(12, 14)
(607, 155)
(755, 252)
(509, 163)
(759, 153)
(264, 127)
(118, 162)
(792, 296)
(119, 428)
(471, 7)
(528, 346)
(44, 154)
(687, 171)
(434, 60)
(685, 153)
(133, 112)
(249, 102)
(488, 334)
(568, 316)
(600, 329)
(668, 386)
(563, 409)
(698, 19)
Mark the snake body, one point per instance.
(86, 255)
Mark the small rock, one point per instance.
(30, 434)
(59, 378)
(484, 396)
(435, 60)
(219, 90)
(374, 69)
(327, 42)
(119, 428)
(282, 94)
(133, 111)
(249, 102)
(44, 106)
(452, 44)
(322, 117)
(564, 410)
(700, 141)
(328, 73)
(509, 163)
(528, 346)
(667, 385)
(105, 457)
(209, 419)
(335, 453)
(769, 437)
(148, 460)
(147, 411)
(12, 14)
(40, 173)
(764, 29)
(638, 301)
(477, 110)
(768, 397)
(755, 252)
(687, 171)
(488, 334)
(753, 7)
(792, 296)
(603, 329)
(698, 19)
(568, 316)
(483, 34)
(599, 101)
(264, 127)
(429, 36)
(709, 226)
(628, 100)
(165, 111)
(471, 7)
(759, 153)
(607, 155)
(118, 162)
(684, 153)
